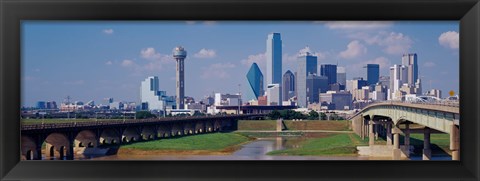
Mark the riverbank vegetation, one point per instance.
(343, 125)
(312, 115)
(213, 143)
(335, 144)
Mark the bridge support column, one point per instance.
(427, 152)
(455, 142)
(70, 147)
(371, 135)
(389, 134)
(396, 152)
(406, 142)
(38, 150)
(376, 127)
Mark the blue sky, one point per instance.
(93, 60)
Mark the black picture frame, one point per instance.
(12, 12)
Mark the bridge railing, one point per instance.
(442, 103)
(126, 121)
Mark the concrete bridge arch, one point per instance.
(58, 146)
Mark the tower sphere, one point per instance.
(179, 52)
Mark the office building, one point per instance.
(418, 87)
(307, 64)
(337, 100)
(51, 105)
(341, 76)
(274, 63)
(208, 100)
(41, 105)
(435, 93)
(385, 81)
(255, 81)
(329, 71)
(315, 86)
(373, 73)
(361, 94)
(398, 76)
(227, 99)
(274, 94)
(151, 94)
(274, 58)
(410, 62)
(356, 83)
(179, 54)
(288, 85)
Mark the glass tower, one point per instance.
(307, 64)
(329, 71)
(255, 80)
(274, 59)
(373, 73)
(288, 85)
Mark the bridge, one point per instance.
(392, 119)
(62, 140)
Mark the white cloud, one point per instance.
(354, 49)
(393, 42)
(205, 53)
(381, 61)
(108, 31)
(449, 39)
(108, 63)
(260, 59)
(149, 53)
(356, 69)
(319, 55)
(358, 25)
(127, 63)
(217, 71)
(429, 64)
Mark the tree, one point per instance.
(313, 115)
(274, 115)
(144, 115)
(323, 116)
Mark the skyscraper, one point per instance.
(179, 54)
(151, 94)
(255, 80)
(398, 76)
(341, 76)
(410, 61)
(373, 73)
(316, 85)
(330, 71)
(307, 64)
(288, 85)
(274, 59)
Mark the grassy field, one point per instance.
(295, 125)
(342, 125)
(257, 125)
(336, 144)
(47, 121)
(213, 141)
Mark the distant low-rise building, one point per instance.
(337, 100)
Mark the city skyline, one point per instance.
(93, 61)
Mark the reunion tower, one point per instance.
(180, 54)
